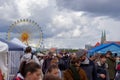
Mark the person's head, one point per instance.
(59, 56)
(51, 77)
(75, 62)
(30, 71)
(92, 57)
(54, 61)
(53, 69)
(28, 49)
(40, 56)
(81, 55)
(73, 55)
(50, 54)
(103, 58)
(108, 54)
(115, 55)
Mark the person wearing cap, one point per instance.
(74, 72)
(87, 65)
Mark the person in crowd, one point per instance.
(72, 55)
(46, 62)
(64, 61)
(19, 75)
(117, 77)
(55, 61)
(53, 70)
(115, 55)
(87, 65)
(111, 65)
(95, 57)
(117, 58)
(29, 71)
(40, 57)
(29, 56)
(92, 57)
(74, 72)
(51, 77)
(101, 66)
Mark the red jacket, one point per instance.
(118, 67)
(1, 76)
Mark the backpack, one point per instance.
(32, 56)
(28, 59)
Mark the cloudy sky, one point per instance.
(65, 23)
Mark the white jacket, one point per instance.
(27, 57)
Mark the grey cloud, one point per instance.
(97, 7)
(4, 25)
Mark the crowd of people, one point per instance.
(68, 66)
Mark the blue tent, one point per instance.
(12, 46)
(103, 48)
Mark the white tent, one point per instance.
(3, 58)
(13, 56)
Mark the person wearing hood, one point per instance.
(29, 56)
(87, 65)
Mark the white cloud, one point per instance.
(62, 20)
(25, 6)
(2, 35)
(76, 32)
(6, 11)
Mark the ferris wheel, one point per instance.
(27, 31)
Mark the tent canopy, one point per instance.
(18, 42)
(103, 48)
(3, 58)
(12, 46)
(3, 47)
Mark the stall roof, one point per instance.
(103, 48)
(12, 46)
